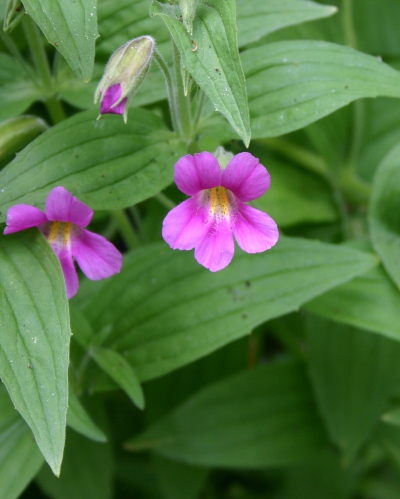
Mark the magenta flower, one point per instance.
(63, 225)
(216, 210)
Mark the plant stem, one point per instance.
(307, 159)
(164, 200)
(358, 107)
(41, 63)
(170, 89)
(348, 24)
(125, 228)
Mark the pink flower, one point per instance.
(216, 211)
(63, 225)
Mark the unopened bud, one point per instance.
(123, 75)
(188, 9)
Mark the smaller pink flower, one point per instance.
(63, 225)
(216, 210)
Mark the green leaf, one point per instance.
(215, 63)
(87, 471)
(79, 420)
(354, 374)
(384, 213)
(20, 458)
(17, 91)
(106, 163)
(267, 415)
(392, 417)
(71, 27)
(34, 338)
(256, 19)
(116, 366)
(293, 83)
(297, 196)
(370, 301)
(172, 311)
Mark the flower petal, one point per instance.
(246, 177)
(198, 172)
(109, 100)
(254, 230)
(62, 206)
(97, 257)
(23, 216)
(215, 250)
(185, 225)
(69, 271)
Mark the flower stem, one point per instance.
(164, 200)
(183, 102)
(125, 228)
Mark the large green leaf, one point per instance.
(214, 61)
(71, 27)
(293, 83)
(262, 417)
(370, 301)
(106, 163)
(171, 311)
(256, 19)
(354, 374)
(384, 213)
(34, 338)
(20, 458)
(87, 471)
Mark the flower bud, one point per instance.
(123, 75)
(188, 8)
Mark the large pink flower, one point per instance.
(63, 225)
(216, 211)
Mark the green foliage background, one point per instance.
(277, 377)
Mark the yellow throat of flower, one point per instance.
(219, 201)
(60, 233)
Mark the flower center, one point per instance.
(59, 234)
(219, 201)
